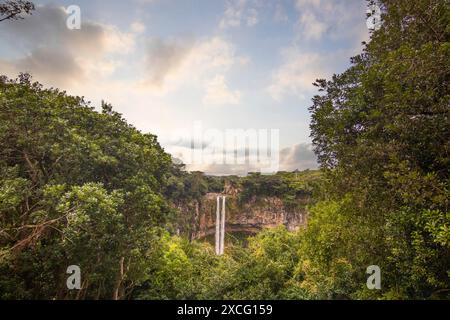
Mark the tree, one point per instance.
(381, 132)
(14, 9)
(76, 187)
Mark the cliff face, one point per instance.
(197, 219)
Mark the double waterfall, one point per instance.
(220, 226)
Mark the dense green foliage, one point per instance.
(76, 187)
(184, 186)
(292, 187)
(192, 271)
(381, 131)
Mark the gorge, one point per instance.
(197, 218)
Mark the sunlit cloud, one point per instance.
(58, 56)
(204, 63)
(297, 73)
(218, 92)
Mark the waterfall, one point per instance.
(220, 227)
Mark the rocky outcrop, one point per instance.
(198, 218)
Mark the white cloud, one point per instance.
(218, 92)
(204, 64)
(337, 19)
(304, 60)
(252, 18)
(298, 157)
(297, 73)
(57, 56)
(311, 27)
(314, 18)
(171, 63)
(164, 59)
(137, 27)
(238, 12)
(145, 1)
(302, 4)
(280, 13)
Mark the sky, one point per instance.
(177, 67)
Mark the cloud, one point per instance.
(302, 4)
(311, 27)
(137, 27)
(165, 58)
(238, 12)
(218, 93)
(145, 1)
(183, 142)
(313, 20)
(171, 64)
(300, 156)
(297, 73)
(62, 65)
(319, 22)
(333, 19)
(252, 17)
(55, 55)
(280, 13)
(207, 153)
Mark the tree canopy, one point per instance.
(76, 186)
(381, 130)
(14, 9)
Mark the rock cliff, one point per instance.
(197, 219)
